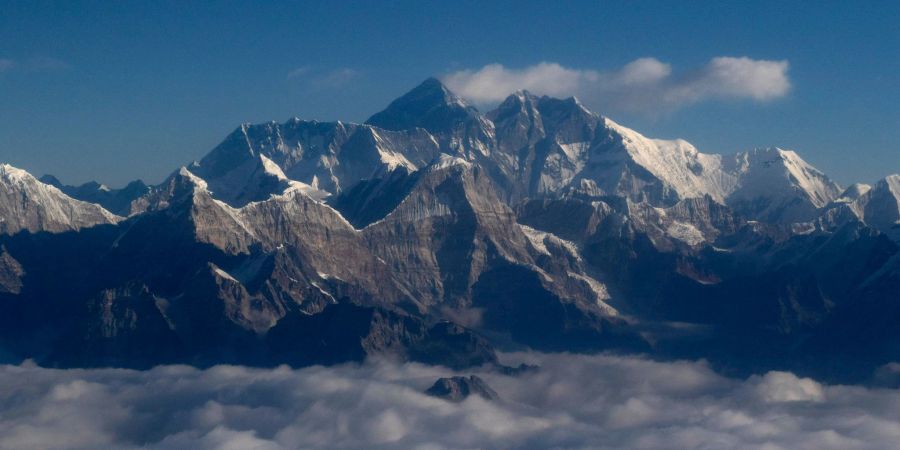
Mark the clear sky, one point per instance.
(114, 91)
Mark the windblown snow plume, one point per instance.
(572, 401)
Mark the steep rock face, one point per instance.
(541, 142)
(122, 321)
(26, 204)
(458, 128)
(430, 106)
(457, 389)
(685, 227)
(880, 206)
(256, 179)
(211, 283)
(691, 222)
(327, 246)
(518, 123)
(863, 328)
(349, 332)
(329, 156)
(451, 241)
(449, 220)
(778, 186)
(694, 251)
(10, 273)
(371, 200)
(295, 231)
(877, 206)
(570, 218)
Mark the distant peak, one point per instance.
(854, 192)
(432, 89)
(568, 106)
(891, 182)
(430, 105)
(432, 83)
(519, 102)
(136, 184)
(521, 97)
(51, 180)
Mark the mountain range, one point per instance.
(438, 233)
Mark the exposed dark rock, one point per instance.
(430, 106)
(457, 389)
(518, 370)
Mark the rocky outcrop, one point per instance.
(457, 389)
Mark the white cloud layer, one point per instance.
(573, 401)
(645, 85)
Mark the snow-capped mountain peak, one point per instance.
(430, 106)
(773, 164)
(880, 205)
(11, 173)
(520, 103)
(687, 171)
(28, 204)
(892, 182)
(777, 185)
(855, 191)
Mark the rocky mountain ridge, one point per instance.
(434, 232)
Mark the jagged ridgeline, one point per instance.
(437, 233)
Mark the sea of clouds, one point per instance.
(598, 401)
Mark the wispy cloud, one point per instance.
(6, 65)
(299, 72)
(337, 77)
(645, 85)
(318, 78)
(46, 63)
(33, 64)
(573, 401)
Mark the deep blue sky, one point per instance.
(119, 90)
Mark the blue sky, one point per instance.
(114, 91)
